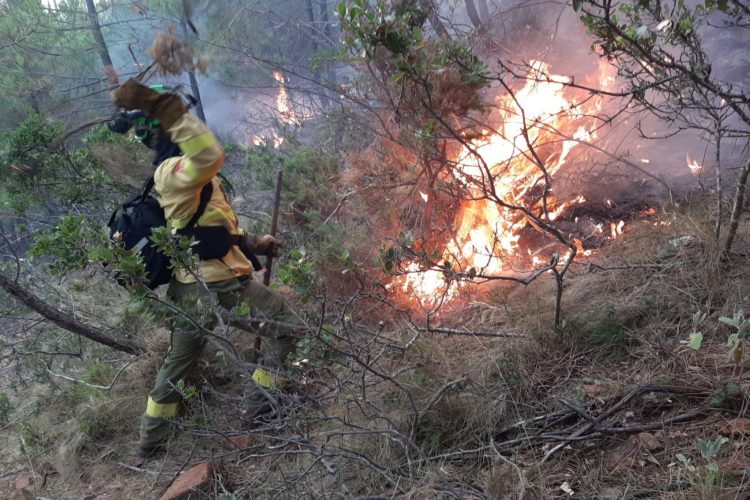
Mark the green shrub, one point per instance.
(37, 169)
(307, 187)
(5, 408)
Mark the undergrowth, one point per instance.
(377, 405)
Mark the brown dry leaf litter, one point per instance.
(173, 55)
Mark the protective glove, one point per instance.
(263, 245)
(120, 122)
(167, 108)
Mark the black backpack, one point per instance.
(131, 225)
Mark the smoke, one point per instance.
(518, 32)
(236, 115)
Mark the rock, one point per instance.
(647, 441)
(198, 477)
(23, 482)
(241, 441)
(737, 427)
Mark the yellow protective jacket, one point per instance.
(178, 182)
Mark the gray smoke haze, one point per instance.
(552, 32)
(520, 31)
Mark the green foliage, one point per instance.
(395, 35)
(32, 435)
(309, 196)
(727, 396)
(42, 57)
(99, 374)
(299, 273)
(35, 169)
(77, 242)
(188, 391)
(102, 135)
(695, 338)
(5, 408)
(177, 247)
(605, 326)
(736, 340)
(306, 186)
(707, 473)
(67, 245)
(313, 350)
(661, 36)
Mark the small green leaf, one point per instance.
(732, 340)
(733, 390)
(694, 340)
(727, 321)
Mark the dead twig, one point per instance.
(585, 430)
(467, 333)
(95, 386)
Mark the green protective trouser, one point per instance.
(187, 342)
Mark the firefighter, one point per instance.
(178, 182)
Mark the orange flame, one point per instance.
(501, 166)
(616, 229)
(283, 106)
(285, 112)
(694, 166)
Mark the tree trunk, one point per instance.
(191, 74)
(330, 70)
(471, 9)
(739, 204)
(313, 37)
(484, 12)
(66, 321)
(101, 45)
(311, 20)
(719, 193)
(435, 21)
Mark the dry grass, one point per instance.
(411, 415)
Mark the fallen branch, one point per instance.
(95, 386)
(65, 320)
(597, 421)
(454, 331)
(594, 428)
(591, 266)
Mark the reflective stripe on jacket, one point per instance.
(178, 182)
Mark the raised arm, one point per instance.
(178, 180)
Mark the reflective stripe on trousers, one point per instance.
(267, 379)
(159, 410)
